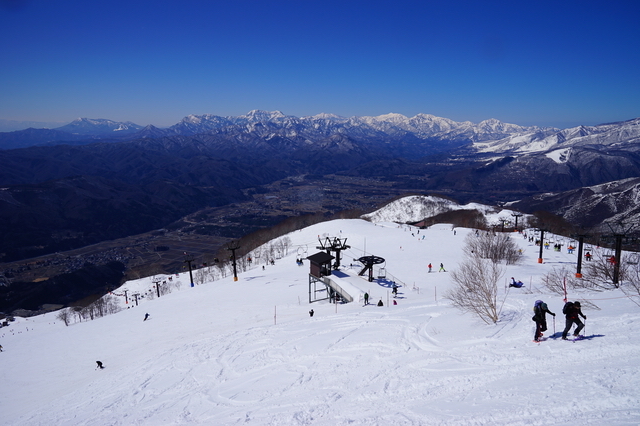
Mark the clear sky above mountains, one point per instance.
(531, 63)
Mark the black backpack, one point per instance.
(567, 308)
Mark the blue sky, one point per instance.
(549, 63)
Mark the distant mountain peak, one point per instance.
(99, 126)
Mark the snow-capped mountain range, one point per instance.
(488, 137)
(421, 125)
(271, 123)
(557, 145)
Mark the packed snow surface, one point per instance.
(247, 352)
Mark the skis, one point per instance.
(575, 338)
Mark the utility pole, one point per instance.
(188, 259)
(233, 246)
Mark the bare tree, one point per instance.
(494, 246)
(200, 276)
(598, 273)
(556, 280)
(631, 286)
(475, 287)
(64, 315)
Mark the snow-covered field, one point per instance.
(247, 352)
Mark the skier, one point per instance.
(540, 310)
(99, 364)
(366, 298)
(430, 267)
(442, 268)
(394, 290)
(515, 284)
(572, 312)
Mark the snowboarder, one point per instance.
(515, 284)
(442, 268)
(540, 310)
(311, 313)
(99, 364)
(572, 312)
(366, 298)
(146, 316)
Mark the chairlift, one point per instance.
(382, 270)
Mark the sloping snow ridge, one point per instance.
(247, 352)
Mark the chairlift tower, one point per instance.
(541, 243)
(333, 245)
(580, 236)
(516, 215)
(156, 283)
(233, 246)
(188, 259)
(368, 262)
(619, 230)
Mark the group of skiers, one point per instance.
(440, 270)
(572, 312)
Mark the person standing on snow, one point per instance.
(430, 267)
(572, 312)
(540, 311)
(442, 268)
(366, 298)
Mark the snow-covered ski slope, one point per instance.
(247, 352)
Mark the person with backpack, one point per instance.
(540, 311)
(572, 312)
